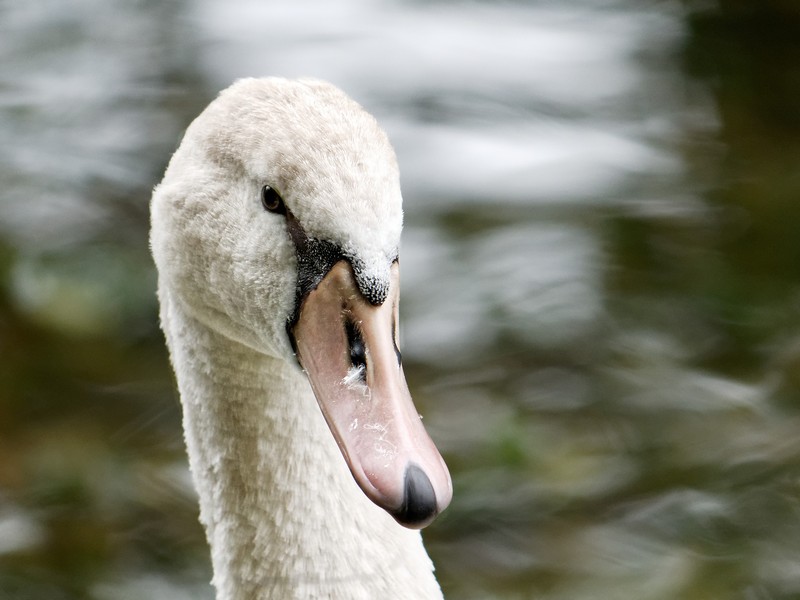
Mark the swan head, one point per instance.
(277, 224)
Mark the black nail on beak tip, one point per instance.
(419, 502)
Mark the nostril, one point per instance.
(394, 342)
(358, 351)
(419, 500)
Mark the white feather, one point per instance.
(282, 513)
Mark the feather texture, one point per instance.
(283, 515)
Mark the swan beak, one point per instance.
(348, 348)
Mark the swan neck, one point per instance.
(282, 513)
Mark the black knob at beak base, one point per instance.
(419, 502)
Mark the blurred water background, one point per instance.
(601, 302)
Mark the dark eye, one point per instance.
(272, 201)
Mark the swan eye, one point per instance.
(271, 200)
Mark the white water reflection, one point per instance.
(499, 103)
(83, 113)
(534, 160)
(509, 282)
(19, 531)
(503, 101)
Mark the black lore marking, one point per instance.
(314, 262)
(358, 351)
(315, 259)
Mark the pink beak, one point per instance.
(348, 348)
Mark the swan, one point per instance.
(275, 232)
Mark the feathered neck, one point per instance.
(282, 513)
